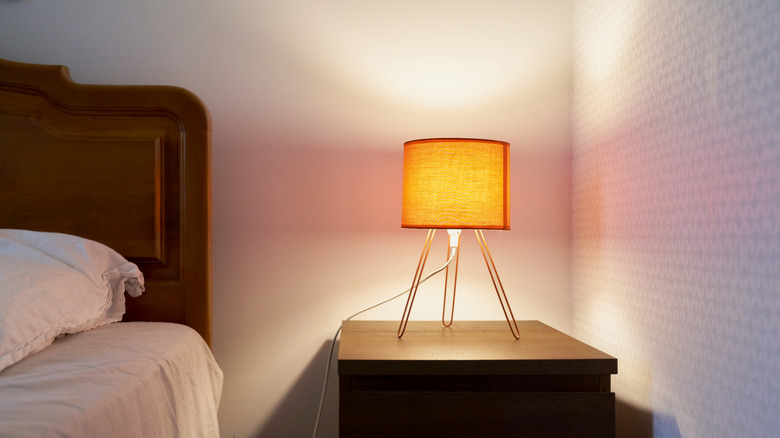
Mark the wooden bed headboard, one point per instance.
(128, 166)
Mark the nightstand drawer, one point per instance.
(476, 414)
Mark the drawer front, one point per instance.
(476, 414)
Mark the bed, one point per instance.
(104, 216)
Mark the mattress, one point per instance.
(128, 379)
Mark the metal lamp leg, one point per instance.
(510, 317)
(454, 251)
(416, 282)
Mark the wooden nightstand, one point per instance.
(472, 380)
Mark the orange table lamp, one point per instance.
(455, 184)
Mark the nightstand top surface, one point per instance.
(467, 347)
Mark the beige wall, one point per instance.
(311, 102)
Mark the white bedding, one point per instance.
(129, 379)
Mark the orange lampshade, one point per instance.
(456, 183)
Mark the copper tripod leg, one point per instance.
(510, 317)
(416, 282)
(454, 251)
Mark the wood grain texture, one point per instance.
(128, 166)
(467, 347)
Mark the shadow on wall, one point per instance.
(287, 419)
(635, 422)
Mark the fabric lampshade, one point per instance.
(456, 183)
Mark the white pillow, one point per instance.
(53, 284)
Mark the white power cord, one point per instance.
(335, 337)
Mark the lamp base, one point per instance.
(454, 251)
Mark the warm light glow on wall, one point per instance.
(607, 63)
(612, 41)
(433, 54)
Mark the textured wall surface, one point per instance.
(676, 204)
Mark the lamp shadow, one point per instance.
(296, 414)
